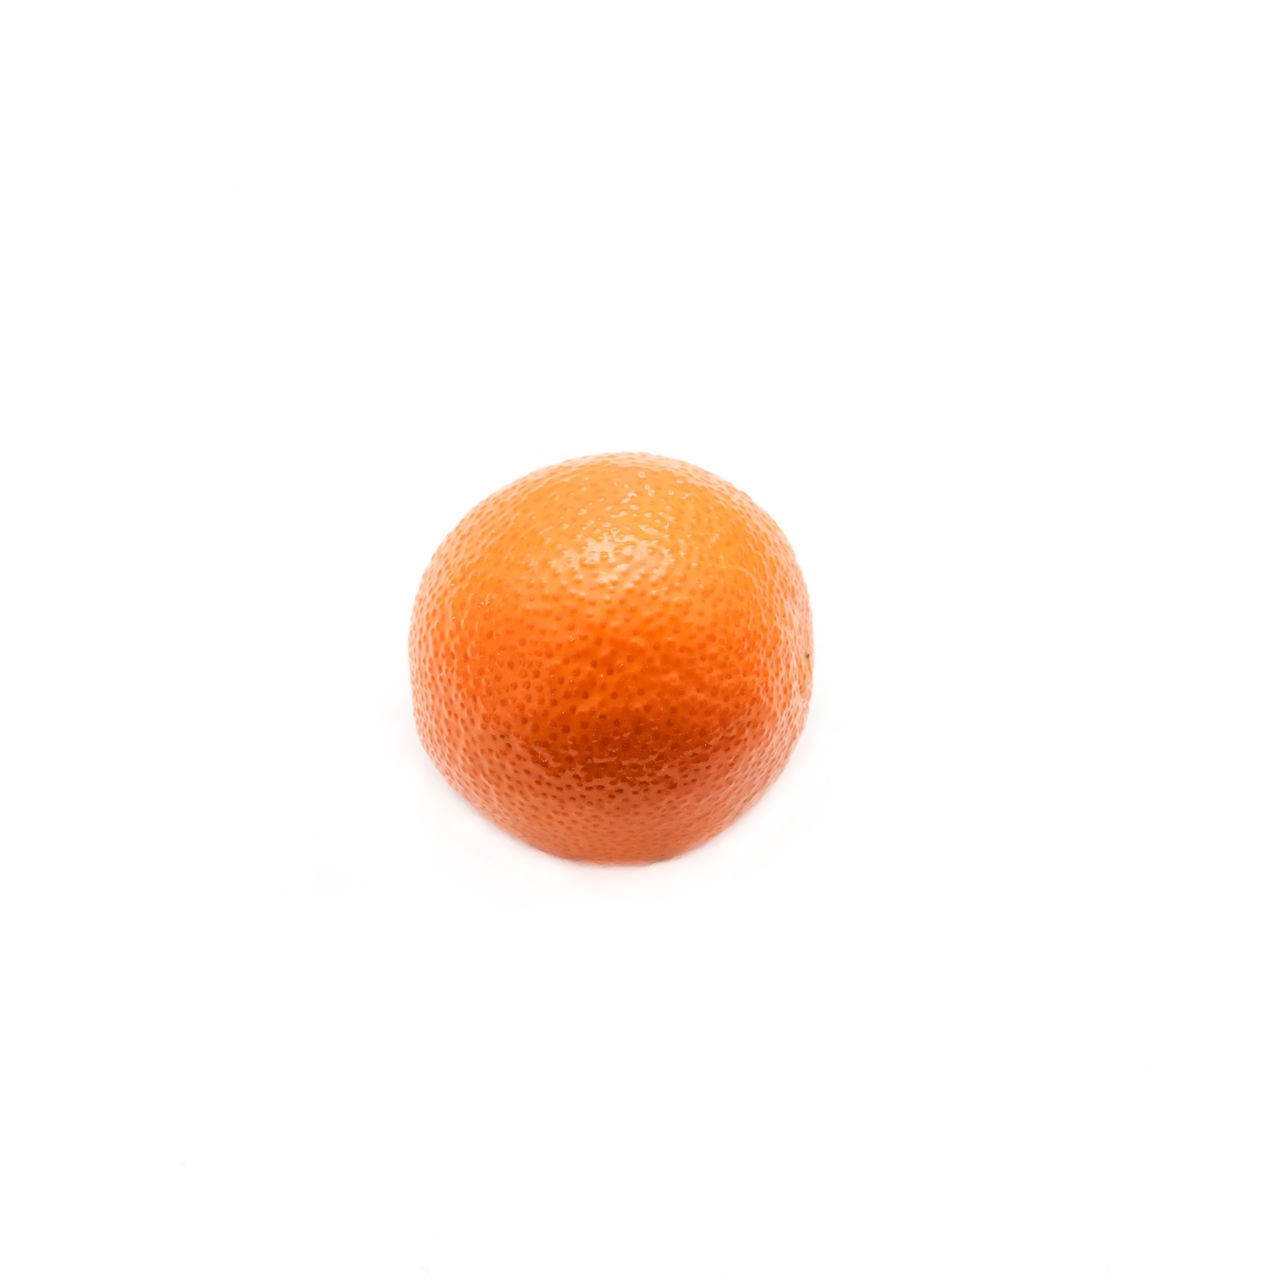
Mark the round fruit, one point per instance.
(611, 658)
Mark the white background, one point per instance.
(981, 302)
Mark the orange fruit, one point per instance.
(612, 657)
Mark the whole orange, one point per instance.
(612, 657)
